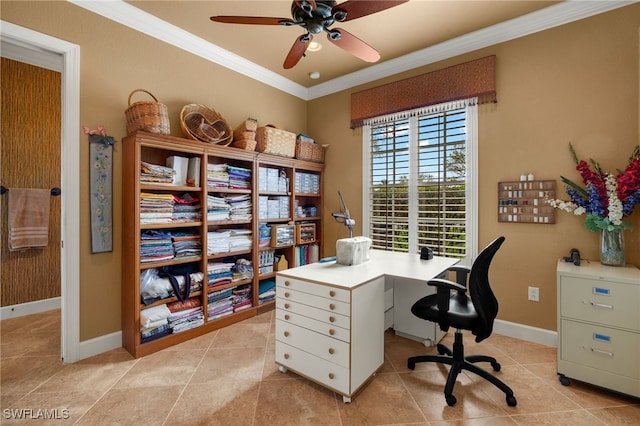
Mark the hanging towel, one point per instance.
(28, 218)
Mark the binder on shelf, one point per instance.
(180, 165)
(193, 171)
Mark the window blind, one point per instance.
(417, 187)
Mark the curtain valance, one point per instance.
(471, 79)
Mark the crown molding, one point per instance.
(139, 20)
(550, 17)
(544, 19)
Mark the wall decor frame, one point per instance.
(101, 192)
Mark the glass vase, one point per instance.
(612, 247)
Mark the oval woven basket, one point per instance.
(202, 123)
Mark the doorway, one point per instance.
(35, 46)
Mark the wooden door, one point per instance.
(30, 158)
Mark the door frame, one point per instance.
(70, 178)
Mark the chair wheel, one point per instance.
(496, 366)
(411, 365)
(451, 400)
(511, 401)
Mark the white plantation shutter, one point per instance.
(420, 180)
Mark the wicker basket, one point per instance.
(272, 140)
(246, 144)
(147, 116)
(201, 123)
(310, 151)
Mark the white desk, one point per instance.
(330, 318)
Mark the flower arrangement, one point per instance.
(606, 198)
(100, 133)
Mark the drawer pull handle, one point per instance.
(332, 293)
(286, 317)
(286, 294)
(331, 376)
(286, 334)
(287, 283)
(332, 306)
(332, 319)
(286, 305)
(598, 351)
(601, 305)
(332, 331)
(286, 356)
(332, 351)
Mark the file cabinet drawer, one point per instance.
(314, 288)
(333, 350)
(320, 370)
(604, 302)
(330, 305)
(324, 328)
(602, 348)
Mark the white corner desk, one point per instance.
(331, 318)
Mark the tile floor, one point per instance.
(228, 377)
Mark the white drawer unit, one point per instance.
(599, 325)
(323, 336)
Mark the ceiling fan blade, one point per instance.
(307, 5)
(354, 9)
(254, 20)
(297, 51)
(352, 44)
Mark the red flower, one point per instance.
(629, 180)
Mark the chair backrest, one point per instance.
(482, 297)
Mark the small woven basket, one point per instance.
(147, 116)
(272, 140)
(310, 151)
(201, 123)
(246, 144)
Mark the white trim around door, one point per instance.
(70, 177)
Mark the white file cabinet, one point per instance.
(323, 336)
(599, 325)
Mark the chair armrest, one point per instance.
(462, 272)
(443, 293)
(446, 284)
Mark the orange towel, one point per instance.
(28, 218)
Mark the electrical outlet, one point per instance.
(534, 294)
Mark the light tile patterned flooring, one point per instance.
(229, 377)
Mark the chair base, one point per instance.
(459, 362)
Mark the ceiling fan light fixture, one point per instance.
(314, 75)
(314, 46)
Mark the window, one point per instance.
(420, 180)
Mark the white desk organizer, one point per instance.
(352, 251)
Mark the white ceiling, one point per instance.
(410, 35)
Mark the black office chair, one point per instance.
(450, 306)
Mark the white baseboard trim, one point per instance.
(98, 345)
(29, 308)
(526, 332)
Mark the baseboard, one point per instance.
(29, 308)
(526, 332)
(98, 345)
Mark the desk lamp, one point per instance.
(343, 215)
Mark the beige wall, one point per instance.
(576, 83)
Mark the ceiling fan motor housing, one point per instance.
(316, 20)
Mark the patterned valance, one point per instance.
(468, 80)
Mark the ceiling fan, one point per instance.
(318, 16)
